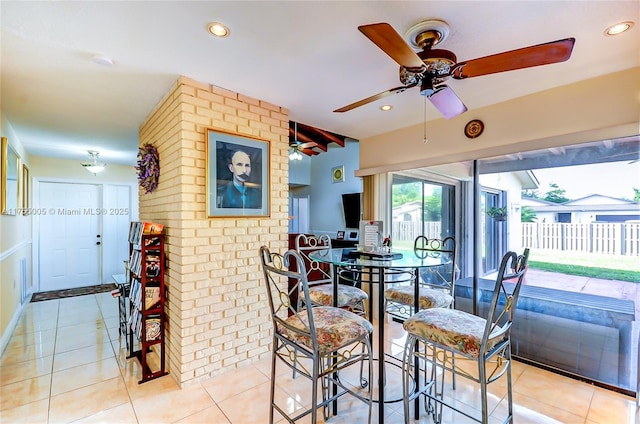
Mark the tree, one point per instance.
(636, 194)
(527, 214)
(556, 194)
(433, 208)
(530, 193)
(406, 193)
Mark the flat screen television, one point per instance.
(352, 206)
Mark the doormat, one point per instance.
(78, 291)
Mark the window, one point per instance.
(421, 207)
(493, 233)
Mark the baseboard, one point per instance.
(6, 336)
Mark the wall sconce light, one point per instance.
(94, 164)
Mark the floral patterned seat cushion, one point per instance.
(458, 330)
(429, 298)
(335, 328)
(322, 294)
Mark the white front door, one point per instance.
(69, 236)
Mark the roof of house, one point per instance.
(591, 203)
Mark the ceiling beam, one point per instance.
(311, 140)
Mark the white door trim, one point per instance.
(35, 246)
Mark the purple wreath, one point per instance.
(148, 167)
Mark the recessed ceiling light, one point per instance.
(102, 60)
(386, 107)
(618, 28)
(217, 29)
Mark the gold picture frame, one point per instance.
(26, 189)
(237, 175)
(10, 173)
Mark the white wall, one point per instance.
(15, 249)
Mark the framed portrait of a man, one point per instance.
(237, 175)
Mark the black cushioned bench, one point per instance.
(617, 314)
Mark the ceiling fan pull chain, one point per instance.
(425, 120)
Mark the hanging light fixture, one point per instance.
(94, 164)
(294, 148)
(294, 153)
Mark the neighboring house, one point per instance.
(411, 211)
(592, 208)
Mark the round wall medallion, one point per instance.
(473, 128)
(337, 174)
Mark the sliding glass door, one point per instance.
(579, 305)
(421, 207)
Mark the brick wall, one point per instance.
(217, 309)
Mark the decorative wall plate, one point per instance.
(337, 174)
(474, 128)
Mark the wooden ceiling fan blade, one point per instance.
(374, 98)
(389, 41)
(447, 102)
(541, 54)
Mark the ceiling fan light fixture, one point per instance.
(294, 153)
(618, 28)
(94, 164)
(217, 29)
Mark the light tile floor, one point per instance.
(66, 363)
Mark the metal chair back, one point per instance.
(281, 282)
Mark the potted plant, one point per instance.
(499, 214)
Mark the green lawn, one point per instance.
(609, 267)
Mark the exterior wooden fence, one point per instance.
(409, 230)
(605, 238)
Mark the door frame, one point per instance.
(35, 223)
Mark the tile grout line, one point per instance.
(120, 369)
(55, 342)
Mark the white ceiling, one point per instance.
(306, 56)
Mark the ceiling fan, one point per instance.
(430, 67)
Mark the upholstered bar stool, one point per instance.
(435, 284)
(436, 334)
(321, 277)
(318, 342)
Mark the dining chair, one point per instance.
(319, 342)
(436, 334)
(321, 277)
(436, 284)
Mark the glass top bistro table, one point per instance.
(382, 268)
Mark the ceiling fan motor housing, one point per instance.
(438, 64)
